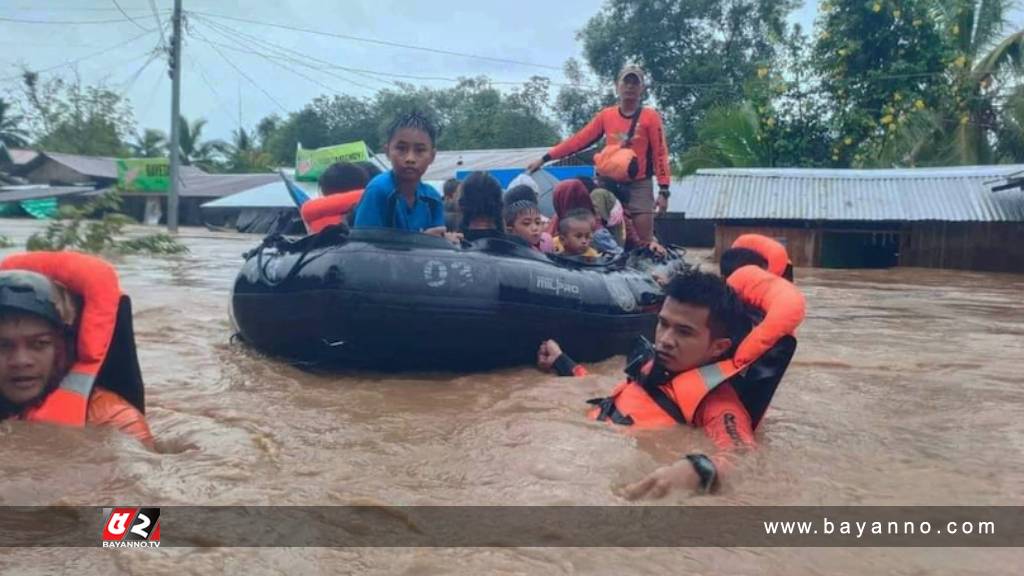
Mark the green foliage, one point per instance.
(697, 53)
(12, 132)
(472, 114)
(77, 119)
(95, 228)
(206, 154)
(150, 144)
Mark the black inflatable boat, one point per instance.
(397, 300)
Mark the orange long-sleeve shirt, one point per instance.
(108, 408)
(648, 142)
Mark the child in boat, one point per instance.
(522, 220)
(528, 193)
(399, 198)
(481, 206)
(341, 188)
(575, 232)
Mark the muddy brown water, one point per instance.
(906, 390)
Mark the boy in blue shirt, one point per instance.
(398, 198)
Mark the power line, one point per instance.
(380, 42)
(234, 36)
(159, 24)
(371, 74)
(60, 22)
(242, 74)
(130, 19)
(86, 57)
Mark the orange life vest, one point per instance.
(319, 213)
(677, 401)
(772, 251)
(95, 281)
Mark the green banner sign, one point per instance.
(143, 174)
(310, 164)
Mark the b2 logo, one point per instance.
(133, 527)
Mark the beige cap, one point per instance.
(632, 69)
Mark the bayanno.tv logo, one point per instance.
(131, 527)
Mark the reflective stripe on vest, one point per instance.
(686, 390)
(68, 404)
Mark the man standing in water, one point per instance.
(693, 375)
(615, 123)
(65, 342)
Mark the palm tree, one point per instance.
(193, 150)
(729, 137)
(10, 132)
(150, 144)
(243, 155)
(984, 69)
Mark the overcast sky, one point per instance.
(538, 32)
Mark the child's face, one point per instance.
(410, 152)
(577, 239)
(528, 226)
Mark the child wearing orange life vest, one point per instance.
(341, 186)
(732, 409)
(49, 371)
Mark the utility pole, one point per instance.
(172, 193)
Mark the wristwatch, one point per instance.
(705, 469)
(664, 192)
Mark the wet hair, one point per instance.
(451, 185)
(371, 169)
(516, 209)
(342, 177)
(575, 215)
(481, 198)
(519, 193)
(727, 316)
(588, 182)
(735, 258)
(414, 120)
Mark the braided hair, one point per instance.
(414, 120)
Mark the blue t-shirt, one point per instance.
(383, 207)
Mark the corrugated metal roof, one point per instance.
(270, 195)
(37, 191)
(93, 166)
(199, 184)
(955, 194)
(448, 162)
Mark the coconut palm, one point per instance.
(11, 133)
(194, 151)
(985, 65)
(243, 155)
(150, 144)
(729, 137)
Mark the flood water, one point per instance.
(906, 389)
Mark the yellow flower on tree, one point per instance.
(916, 23)
(964, 119)
(919, 104)
(887, 119)
(848, 140)
(896, 14)
(762, 72)
(877, 7)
